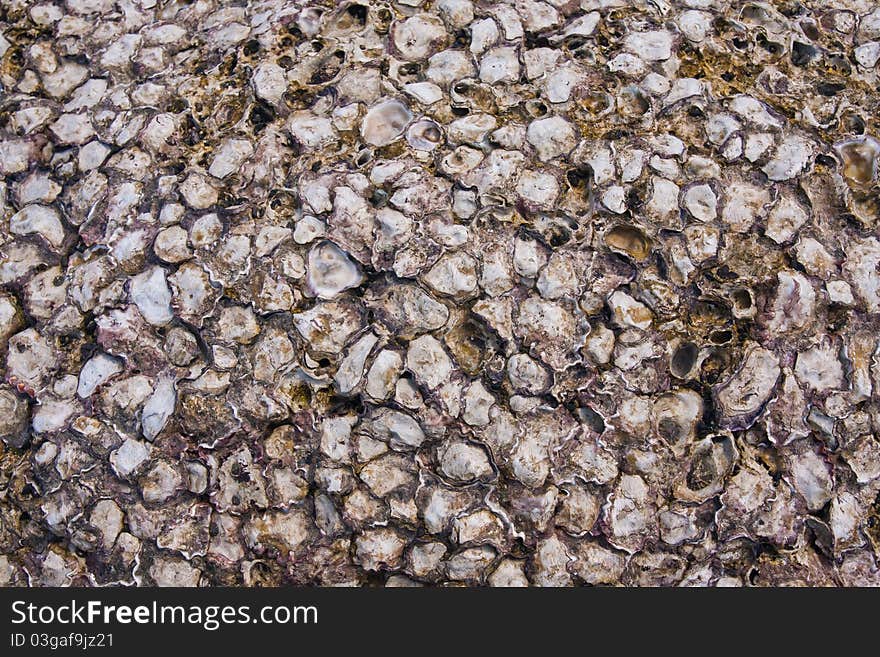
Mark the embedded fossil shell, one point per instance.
(418, 37)
(861, 159)
(329, 271)
(385, 122)
(424, 135)
(628, 240)
(744, 394)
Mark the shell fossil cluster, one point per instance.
(459, 292)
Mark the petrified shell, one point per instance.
(424, 135)
(418, 37)
(628, 240)
(385, 122)
(861, 159)
(709, 463)
(330, 271)
(743, 396)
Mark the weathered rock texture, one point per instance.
(439, 292)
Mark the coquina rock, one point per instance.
(509, 293)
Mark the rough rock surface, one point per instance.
(505, 292)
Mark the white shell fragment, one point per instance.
(329, 271)
(41, 220)
(96, 371)
(149, 291)
(385, 122)
(230, 157)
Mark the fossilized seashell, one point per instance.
(385, 122)
(710, 462)
(684, 359)
(424, 135)
(861, 159)
(330, 271)
(628, 240)
(418, 37)
(742, 397)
